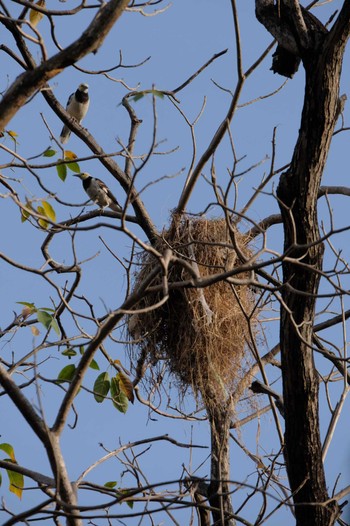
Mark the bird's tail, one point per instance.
(65, 134)
(115, 207)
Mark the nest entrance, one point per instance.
(201, 332)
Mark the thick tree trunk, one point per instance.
(297, 192)
(322, 54)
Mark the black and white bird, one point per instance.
(77, 106)
(98, 192)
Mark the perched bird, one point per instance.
(98, 192)
(77, 106)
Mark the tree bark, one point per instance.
(219, 488)
(297, 192)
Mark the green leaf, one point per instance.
(101, 387)
(8, 450)
(49, 152)
(24, 215)
(55, 326)
(16, 482)
(120, 492)
(120, 400)
(94, 365)
(16, 479)
(112, 484)
(49, 211)
(128, 502)
(74, 167)
(158, 93)
(48, 320)
(61, 171)
(45, 318)
(69, 352)
(67, 373)
(138, 96)
(44, 224)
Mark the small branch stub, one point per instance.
(297, 31)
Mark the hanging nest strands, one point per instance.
(201, 333)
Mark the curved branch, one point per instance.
(34, 475)
(104, 330)
(36, 77)
(48, 439)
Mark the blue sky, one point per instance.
(178, 41)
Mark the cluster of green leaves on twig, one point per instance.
(119, 386)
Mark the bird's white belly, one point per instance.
(78, 110)
(98, 195)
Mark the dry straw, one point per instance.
(202, 333)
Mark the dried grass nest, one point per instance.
(202, 333)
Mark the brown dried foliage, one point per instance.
(201, 333)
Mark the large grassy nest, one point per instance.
(202, 333)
